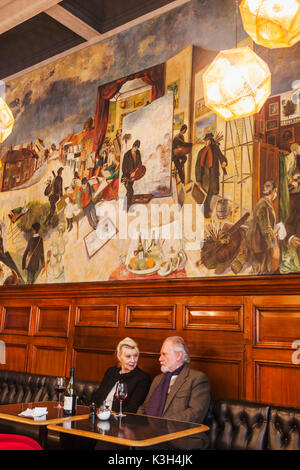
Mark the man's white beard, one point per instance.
(164, 369)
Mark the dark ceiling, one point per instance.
(42, 36)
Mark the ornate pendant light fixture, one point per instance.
(237, 83)
(6, 120)
(272, 23)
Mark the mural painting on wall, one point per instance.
(136, 178)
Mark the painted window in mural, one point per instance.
(108, 176)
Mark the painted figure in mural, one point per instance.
(262, 235)
(85, 202)
(6, 258)
(111, 191)
(56, 194)
(98, 165)
(180, 149)
(90, 162)
(71, 208)
(55, 270)
(292, 225)
(291, 164)
(131, 161)
(33, 257)
(207, 170)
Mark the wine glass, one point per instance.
(121, 394)
(60, 386)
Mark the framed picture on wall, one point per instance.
(261, 126)
(273, 109)
(272, 124)
(96, 239)
(271, 139)
(178, 121)
(200, 108)
(288, 135)
(174, 87)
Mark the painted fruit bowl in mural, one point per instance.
(142, 267)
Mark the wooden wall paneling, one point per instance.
(96, 314)
(248, 378)
(276, 326)
(225, 376)
(53, 320)
(91, 364)
(277, 382)
(150, 316)
(17, 351)
(48, 357)
(155, 312)
(16, 319)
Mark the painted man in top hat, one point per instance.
(33, 257)
(207, 170)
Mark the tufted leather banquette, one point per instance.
(22, 387)
(234, 424)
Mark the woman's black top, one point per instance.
(138, 384)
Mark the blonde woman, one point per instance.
(138, 384)
(138, 381)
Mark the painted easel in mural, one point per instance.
(239, 145)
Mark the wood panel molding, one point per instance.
(226, 286)
(16, 320)
(277, 382)
(52, 321)
(210, 317)
(150, 316)
(16, 355)
(276, 326)
(49, 357)
(97, 315)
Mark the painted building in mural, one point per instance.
(131, 176)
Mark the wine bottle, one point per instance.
(70, 396)
(140, 249)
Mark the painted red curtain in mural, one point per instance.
(154, 76)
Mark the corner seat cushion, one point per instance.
(238, 425)
(284, 428)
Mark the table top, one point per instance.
(132, 430)
(55, 415)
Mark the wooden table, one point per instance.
(132, 430)
(55, 415)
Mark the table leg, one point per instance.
(43, 436)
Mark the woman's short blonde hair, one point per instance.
(127, 343)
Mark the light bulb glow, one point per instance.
(236, 83)
(272, 23)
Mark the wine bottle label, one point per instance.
(68, 403)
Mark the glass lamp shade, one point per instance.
(272, 23)
(6, 120)
(236, 84)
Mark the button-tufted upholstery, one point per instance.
(22, 387)
(284, 429)
(236, 424)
